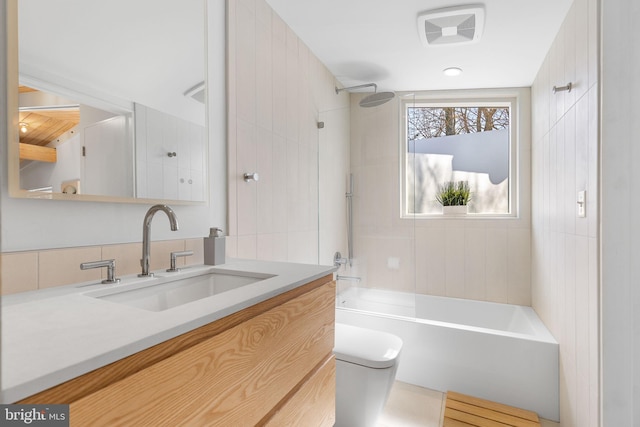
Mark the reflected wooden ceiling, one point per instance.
(46, 125)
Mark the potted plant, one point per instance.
(454, 197)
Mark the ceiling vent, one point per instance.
(451, 25)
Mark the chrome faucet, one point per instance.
(146, 230)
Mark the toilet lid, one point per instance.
(366, 347)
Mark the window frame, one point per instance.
(470, 98)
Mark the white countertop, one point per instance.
(53, 335)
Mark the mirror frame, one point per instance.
(13, 136)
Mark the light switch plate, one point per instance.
(582, 204)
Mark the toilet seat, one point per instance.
(366, 347)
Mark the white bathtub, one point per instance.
(499, 352)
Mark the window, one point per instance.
(459, 140)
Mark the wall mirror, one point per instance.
(111, 103)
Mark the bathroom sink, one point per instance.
(173, 293)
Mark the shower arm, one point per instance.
(375, 87)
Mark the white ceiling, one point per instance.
(363, 41)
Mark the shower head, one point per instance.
(372, 100)
(376, 99)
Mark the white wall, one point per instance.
(277, 92)
(565, 246)
(620, 205)
(40, 224)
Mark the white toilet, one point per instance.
(366, 365)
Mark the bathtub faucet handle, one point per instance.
(338, 260)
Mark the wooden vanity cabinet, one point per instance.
(270, 364)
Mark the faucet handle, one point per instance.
(338, 260)
(174, 256)
(111, 269)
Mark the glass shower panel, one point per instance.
(333, 170)
(375, 240)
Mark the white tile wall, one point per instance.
(620, 228)
(277, 91)
(564, 247)
(471, 258)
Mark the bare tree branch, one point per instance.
(432, 122)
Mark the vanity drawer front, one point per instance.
(314, 404)
(238, 377)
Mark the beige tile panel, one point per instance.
(519, 266)
(32, 270)
(127, 256)
(62, 266)
(496, 265)
(18, 272)
(160, 256)
(197, 246)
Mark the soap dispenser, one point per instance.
(214, 248)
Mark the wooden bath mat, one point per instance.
(465, 411)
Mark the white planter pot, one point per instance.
(454, 210)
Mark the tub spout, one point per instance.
(348, 278)
(146, 231)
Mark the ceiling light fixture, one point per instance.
(452, 71)
(23, 127)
